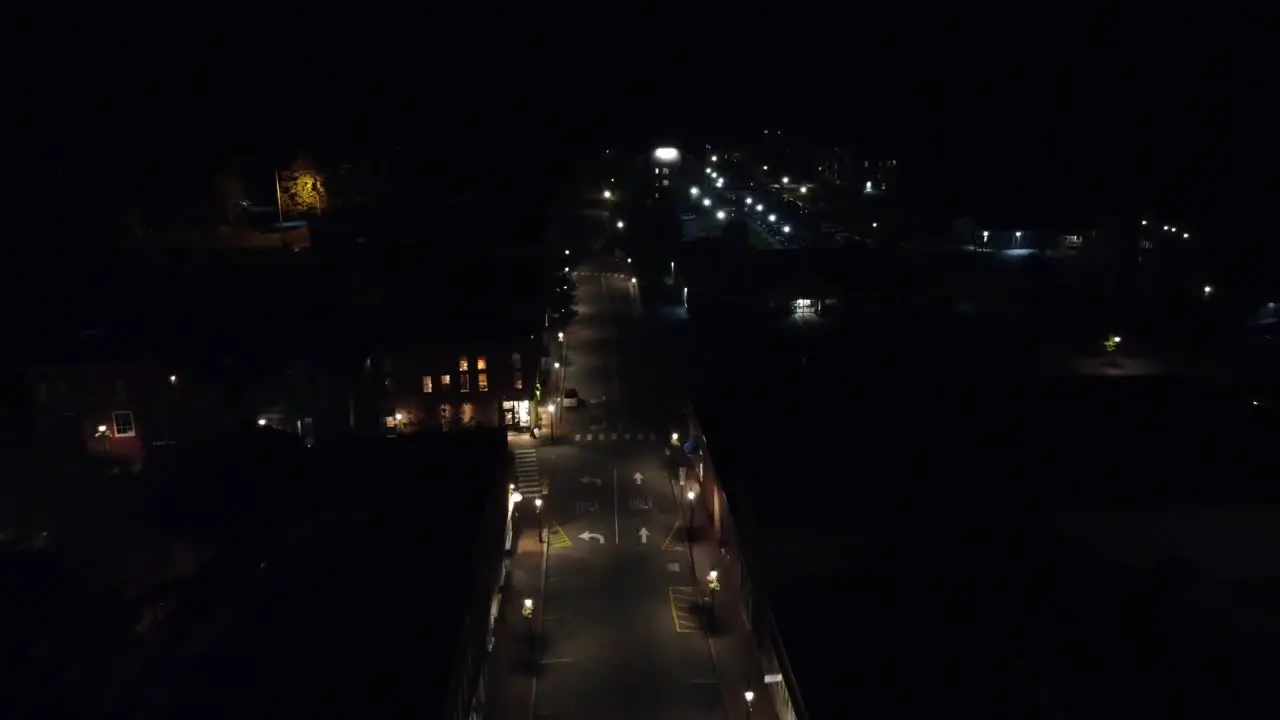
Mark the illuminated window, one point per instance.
(464, 380)
(482, 363)
(515, 360)
(426, 383)
(444, 381)
(122, 423)
(462, 364)
(519, 383)
(484, 381)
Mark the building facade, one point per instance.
(454, 386)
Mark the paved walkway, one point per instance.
(733, 644)
(513, 663)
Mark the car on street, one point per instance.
(571, 398)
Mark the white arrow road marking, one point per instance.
(638, 478)
(589, 481)
(589, 535)
(644, 536)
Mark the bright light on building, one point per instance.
(666, 154)
(773, 218)
(785, 179)
(706, 202)
(694, 191)
(720, 215)
(759, 208)
(714, 158)
(786, 229)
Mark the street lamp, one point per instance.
(694, 191)
(750, 697)
(759, 208)
(566, 251)
(1111, 343)
(714, 158)
(804, 189)
(537, 504)
(706, 202)
(527, 612)
(713, 585)
(675, 438)
(561, 336)
(785, 179)
(786, 229)
(621, 224)
(720, 215)
(773, 218)
(1208, 290)
(688, 526)
(557, 365)
(608, 195)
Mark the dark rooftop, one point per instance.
(971, 542)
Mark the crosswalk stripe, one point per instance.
(577, 437)
(613, 436)
(626, 436)
(588, 436)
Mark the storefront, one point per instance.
(516, 415)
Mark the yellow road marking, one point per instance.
(682, 601)
(672, 542)
(557, 537)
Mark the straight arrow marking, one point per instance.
(638, 478)
(644, 536)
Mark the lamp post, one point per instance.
(750, 697)
(688, 526)
(527, 612)
(713, 585)
(537, 504)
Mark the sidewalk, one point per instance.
(733, 645)
(513, 662)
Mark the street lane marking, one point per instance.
(626, 436)
(549, 661)
(613, 436)
(673, 542)
(684, 601)
(577, 437)
(588, 436)
(557, 537)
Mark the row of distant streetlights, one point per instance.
(1171, 228)
(695, 191)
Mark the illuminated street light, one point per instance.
(759, 208)
(102, 428)
(560, 336)
(765, 168)
(804, 189)
(868, 189)
(986, 234)
(1111, 343)
(633, 281)
(262, 422)
(1208, 290)
(608, 195)
(875, 224)
(557, 366)
(1173, 229)
(1186, 235)
(1144, 222)
(714, 158)
(715, 175)
(516, 496)
(749, 696)
(773, 218)
(748, 200)
(399, 417)
(694, 191)
(666, 154)
(785, 179)
(566, 251)
(621, 224)
(1166, 228)
(537, 506)
(720, 215)
(708, 171)
(706, 202)
(786, 229)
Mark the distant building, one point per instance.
(454, 385)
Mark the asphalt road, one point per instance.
(618, 636)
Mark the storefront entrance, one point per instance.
(515, 414)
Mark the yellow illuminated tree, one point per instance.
(302, 190)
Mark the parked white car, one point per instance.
(571, 398)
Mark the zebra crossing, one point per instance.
(593, 273)
(528, 482)
(615, 437)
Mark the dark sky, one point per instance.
(1124, 110)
